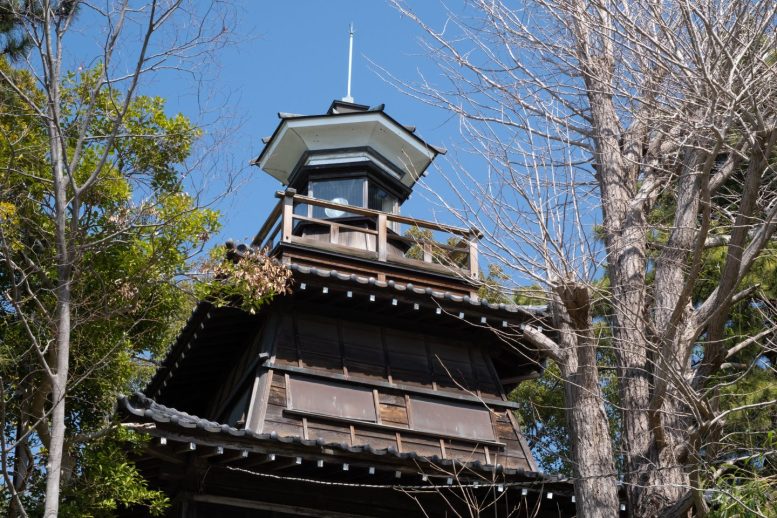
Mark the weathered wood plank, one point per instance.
(268, 506)
(392, 399)
(406, 432)
(277, 395)
(374, 438)
(505, 431)
(393, 414)
(398, 387)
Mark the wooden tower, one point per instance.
(379, 386)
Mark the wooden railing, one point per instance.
(461, 254)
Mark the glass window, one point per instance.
(379, 199)
(347, 191)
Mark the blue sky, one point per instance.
(291, 56)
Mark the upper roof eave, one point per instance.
(286, 117)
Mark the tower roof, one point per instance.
(347, 133)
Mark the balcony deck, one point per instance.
(388, 246)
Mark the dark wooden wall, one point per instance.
(461, 413)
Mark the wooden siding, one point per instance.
(336, 352)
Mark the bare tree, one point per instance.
(657, 119)
(83, 154)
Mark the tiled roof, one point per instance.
(475, 302)
(222, 330)
(387, 289)
(140, 406)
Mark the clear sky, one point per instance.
(291, 56)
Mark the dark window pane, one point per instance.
(331, 399)
(453, 419)
(345, 191)
(379, 199)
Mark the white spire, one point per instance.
(348, 97)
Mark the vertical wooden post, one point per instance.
(382, 244)
(288, 214)
(334, 234)
(427, 247)
(474, 235)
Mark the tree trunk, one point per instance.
(21, 471)
(596, 491)
(59, 377)
(626, 246)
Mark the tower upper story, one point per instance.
(348, 140)
(347, 172)
(380, 354)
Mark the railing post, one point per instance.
(334, 234)
(288, 214)
(382, 243)
(426, 246)
(474, 236)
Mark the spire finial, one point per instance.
(348, 97)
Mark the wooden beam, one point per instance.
(382, 245)
(233, 456)
(267, 506)
(388, 427)
(394, 386)
(163, 455)
(474, 270)
(186, 448)
(213, 451)
(259, 460)
(296, 461)
(288, 214)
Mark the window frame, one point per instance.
(316, 390)
(483, 430)
(369, 179)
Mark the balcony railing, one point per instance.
(386, 242)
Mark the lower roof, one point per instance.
(141, 412)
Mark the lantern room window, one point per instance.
(345, 191)
(379, 199)
(358, 192)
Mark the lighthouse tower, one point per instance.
(379, 386)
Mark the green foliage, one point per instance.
(543, 420)
(247, 279)
(490, 289)
(739, 495)
(455, 252)
(530, 296)
(14, 43)
(132, 237)
(108, 482)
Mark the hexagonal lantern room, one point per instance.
(378, 387)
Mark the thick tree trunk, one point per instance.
(596, 491)
(626, 259)
(662, 479)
